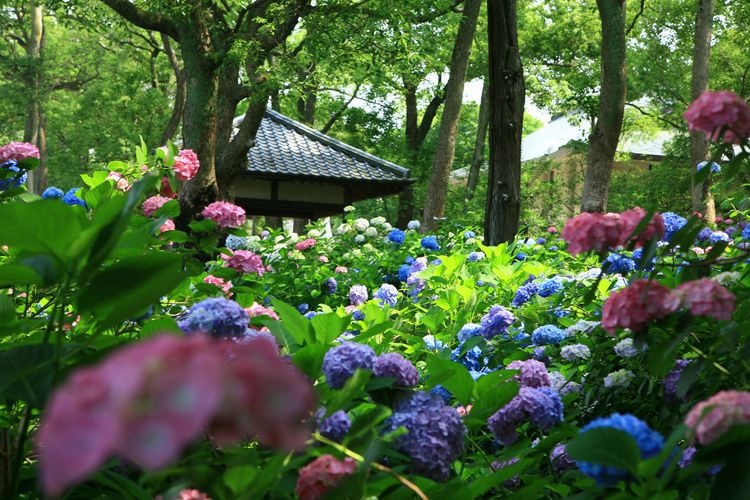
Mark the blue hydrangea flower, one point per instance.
(432, 343)
(340, 362)
(470, 234)
(396, 236)
(540, 354)
(335, 426)
(650, 444)
(435, 434)
(715, 168)
(730, 231)
(415, 284)
(616, 263)
(430, 243)
(472, 359)
(417, 265)
(574, 352)
(234, 242)
(520, 256)
(302, 308)
(9, 178)
(404, 272)
(53, 193)
(550, 286)
(553, 248)
(672, 224)
(331, 285)
(746, 232)
(541, 241)
(71, 199)
(395, 365)
(358, 294)
(387, 294)
(310, 314)
(358, 315)
(475, 256)
(524, 294)
(704, 234)
(637, 257)
(444, 393)
(468, 331)
(547, 334)
(718, 236)
(496, 322)
(218, 317)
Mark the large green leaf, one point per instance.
(294, 323)
(328, 327)
(453, 376)
(26, 373)
(605, 446)
(130, 285)
(15, 274)
(490, 394)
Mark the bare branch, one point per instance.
(637, 15)
(660, 117)
(334, 117)
(144, 19)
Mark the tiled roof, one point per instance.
(284, 147)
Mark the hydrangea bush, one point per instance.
(141, 359)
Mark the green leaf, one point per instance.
(352, 390)
(328, 327)
(485, 483)
(15, 274)
(26, 373)
(202, 226)
(294, 323)
(309, 359)
(605, 446)
(238, 478)
(490, 394)
(130, 285)
(733, 482)
(7, 310)
(434, 318)
(159, 324)
(453, 376)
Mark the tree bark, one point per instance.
(506, 102)
(180, 92)
(702, 200)
(606, 132)
(478, 158)
(34, 130)
(437, 189)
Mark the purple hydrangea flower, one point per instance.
(435, 434)
(540, 354)
(387, 294)
(415, 284)
(672, 379)
(496, 322)
(548, 334)
(718, 236)
(218, 317)
(515, 481)
(746, 232)
(396, 366)
(475, 256)
(340, 362)
(330, 285)
(468, 331)
(704, 234)
(650, 443)
(252, 334)
(560, 459)
(532, 373)
(540, 406)
(335, 426)
(358, 294)
(524, 294)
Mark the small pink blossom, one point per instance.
(589, 231)
(225, 286)
(706, 297)
(167, 226)
(186, 165)
(121, 182)
(166, 189)
(225, 214)
(698, 250)
(305, 244)
(18, 151)
(552, 230)
(637, 305)
(463, 411)
(323, 259)
(244, 261)
(322, 474)
(258, 310)
(711, 418)
(154, 203)
(341, 270)
(714, 113)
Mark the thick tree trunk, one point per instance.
(606, 133)
(702, 200)
(478, 158)
(34, 130)
(437, 189)
(506, 97)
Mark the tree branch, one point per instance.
(658, 117)
(429, 17)
(334, 117)
(637, 15)
(144, 19)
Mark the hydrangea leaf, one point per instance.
(605, 446)
(453, 376)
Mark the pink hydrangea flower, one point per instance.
(136, 405)
(322, 474)
(167, 226)
(18, 151)
(225, 214)
(151, 205)
(713, 112)
(552, 230)
(630, 219)
(305, 244)
(706, 297)
(244, 261)
(323, 259)
(121, 182)
(711, 418)
(341, 270)
(589, 231)
(186, 165)
(225, 286)
(258, 310)
(637, 305)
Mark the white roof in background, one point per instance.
(561, 131)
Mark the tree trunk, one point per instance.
(437, 189)
(34, 130)
(179, 99)
(702, 200)
(506, 102)
(478, 158)
(606, 132)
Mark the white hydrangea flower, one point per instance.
(361, 224)
(559, 383)
(413, 225)
(377, 221)
(575, 352)
(293, 237)
(619, 378)
(727, 278)
(371, 232)
(359, 238)
(343, 229)
(279, 238)
(626, 349)
(313, 233)
(387, 226)
(349, 208)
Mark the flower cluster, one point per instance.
(340, 362)
(550, 286)
(637, 305)
(711, 418)
(358, 295)
(547, 334)
(616, 263)
(672, 224)
(225, 214)
(626, 349)
(387, 293)
(136, 405)
(672, 379)
(575, 352)
(541, 406)
(217, 317)
(532, 373)
(244, 261)
(430, 243)
(525, 293)
(720, 115)
(335, 426)
(321, 475)
(395, 365)
(496, 322)
(305, 244)
(18, 151)
(601, 232)
(154, 203)
(435, 436)
(706, 297)
(396, 236)
(619, 378)
(225, 286)
(186, 165)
